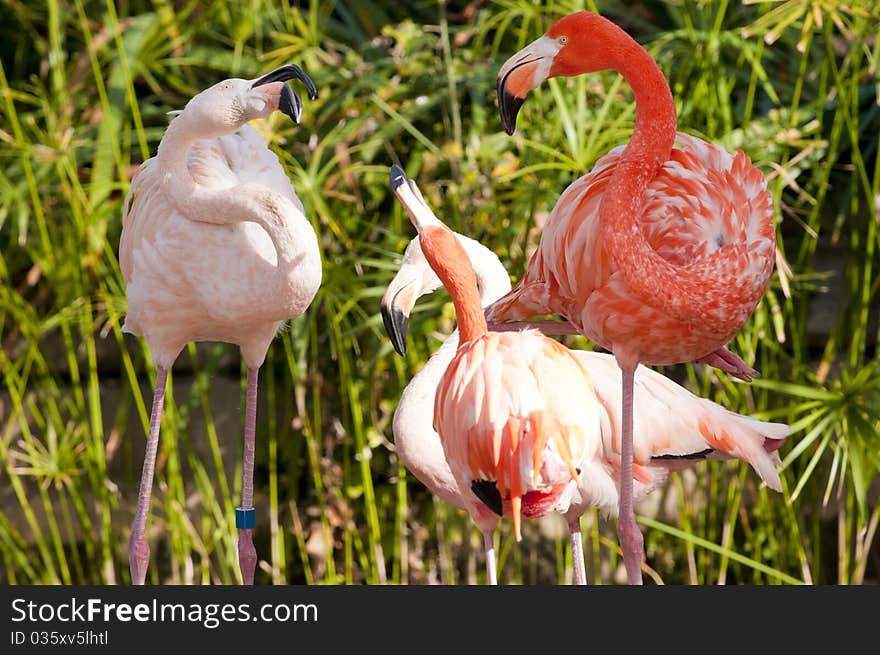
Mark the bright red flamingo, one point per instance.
(661, 253)
(215, 247)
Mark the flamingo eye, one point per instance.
(562, 40)
(226, 86)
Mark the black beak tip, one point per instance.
(488, 493)
(289, 72)
(396, 327)
(398, 177)
(290, 104)
(509, 106)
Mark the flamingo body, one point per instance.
(701, 201)
(215, 247)
(502, 422)
(192, 280)
(660, 254)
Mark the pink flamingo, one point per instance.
(508, 439)
(416, 442)
(215, 247)
(662, 252)
(675, 428)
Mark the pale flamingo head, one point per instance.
(415, 278)
(226, 106)
(582, 42)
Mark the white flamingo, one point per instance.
(215, 247)
(674, 429)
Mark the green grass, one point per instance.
(84, 90)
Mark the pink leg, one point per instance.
(577, 551)
(245, 515)
(138, 548)
(489, 548)
(731, 364)
(631, 541)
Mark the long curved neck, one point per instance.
(450, 262)
(174, 149)
(654, 132)
(650, 277)
(243, 203)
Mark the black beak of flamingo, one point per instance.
(524, 71)
(396, 323)
(508, 106)
(289, 103)
(395, 318)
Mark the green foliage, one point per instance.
(85, 88)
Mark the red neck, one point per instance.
(654, 131)
(598, 44)
(451, 264)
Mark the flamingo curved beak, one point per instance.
(398, 299)
(406, 287)
(397, 303)
(289, 102)
(520, 74)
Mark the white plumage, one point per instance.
(215, 246)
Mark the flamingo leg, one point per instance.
(245, 514)
(631, 540)
(489, 548)
(577, 551)
(138, 548)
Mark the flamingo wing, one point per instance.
(516, 409)
(673, 428)
(251, 161)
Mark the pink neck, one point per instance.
(451, 264)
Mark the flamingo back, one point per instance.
(517, 410)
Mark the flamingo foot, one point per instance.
(632, 544)
(138, 558)
(247, 555)
(731, 364)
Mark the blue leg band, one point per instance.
(245, 518)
